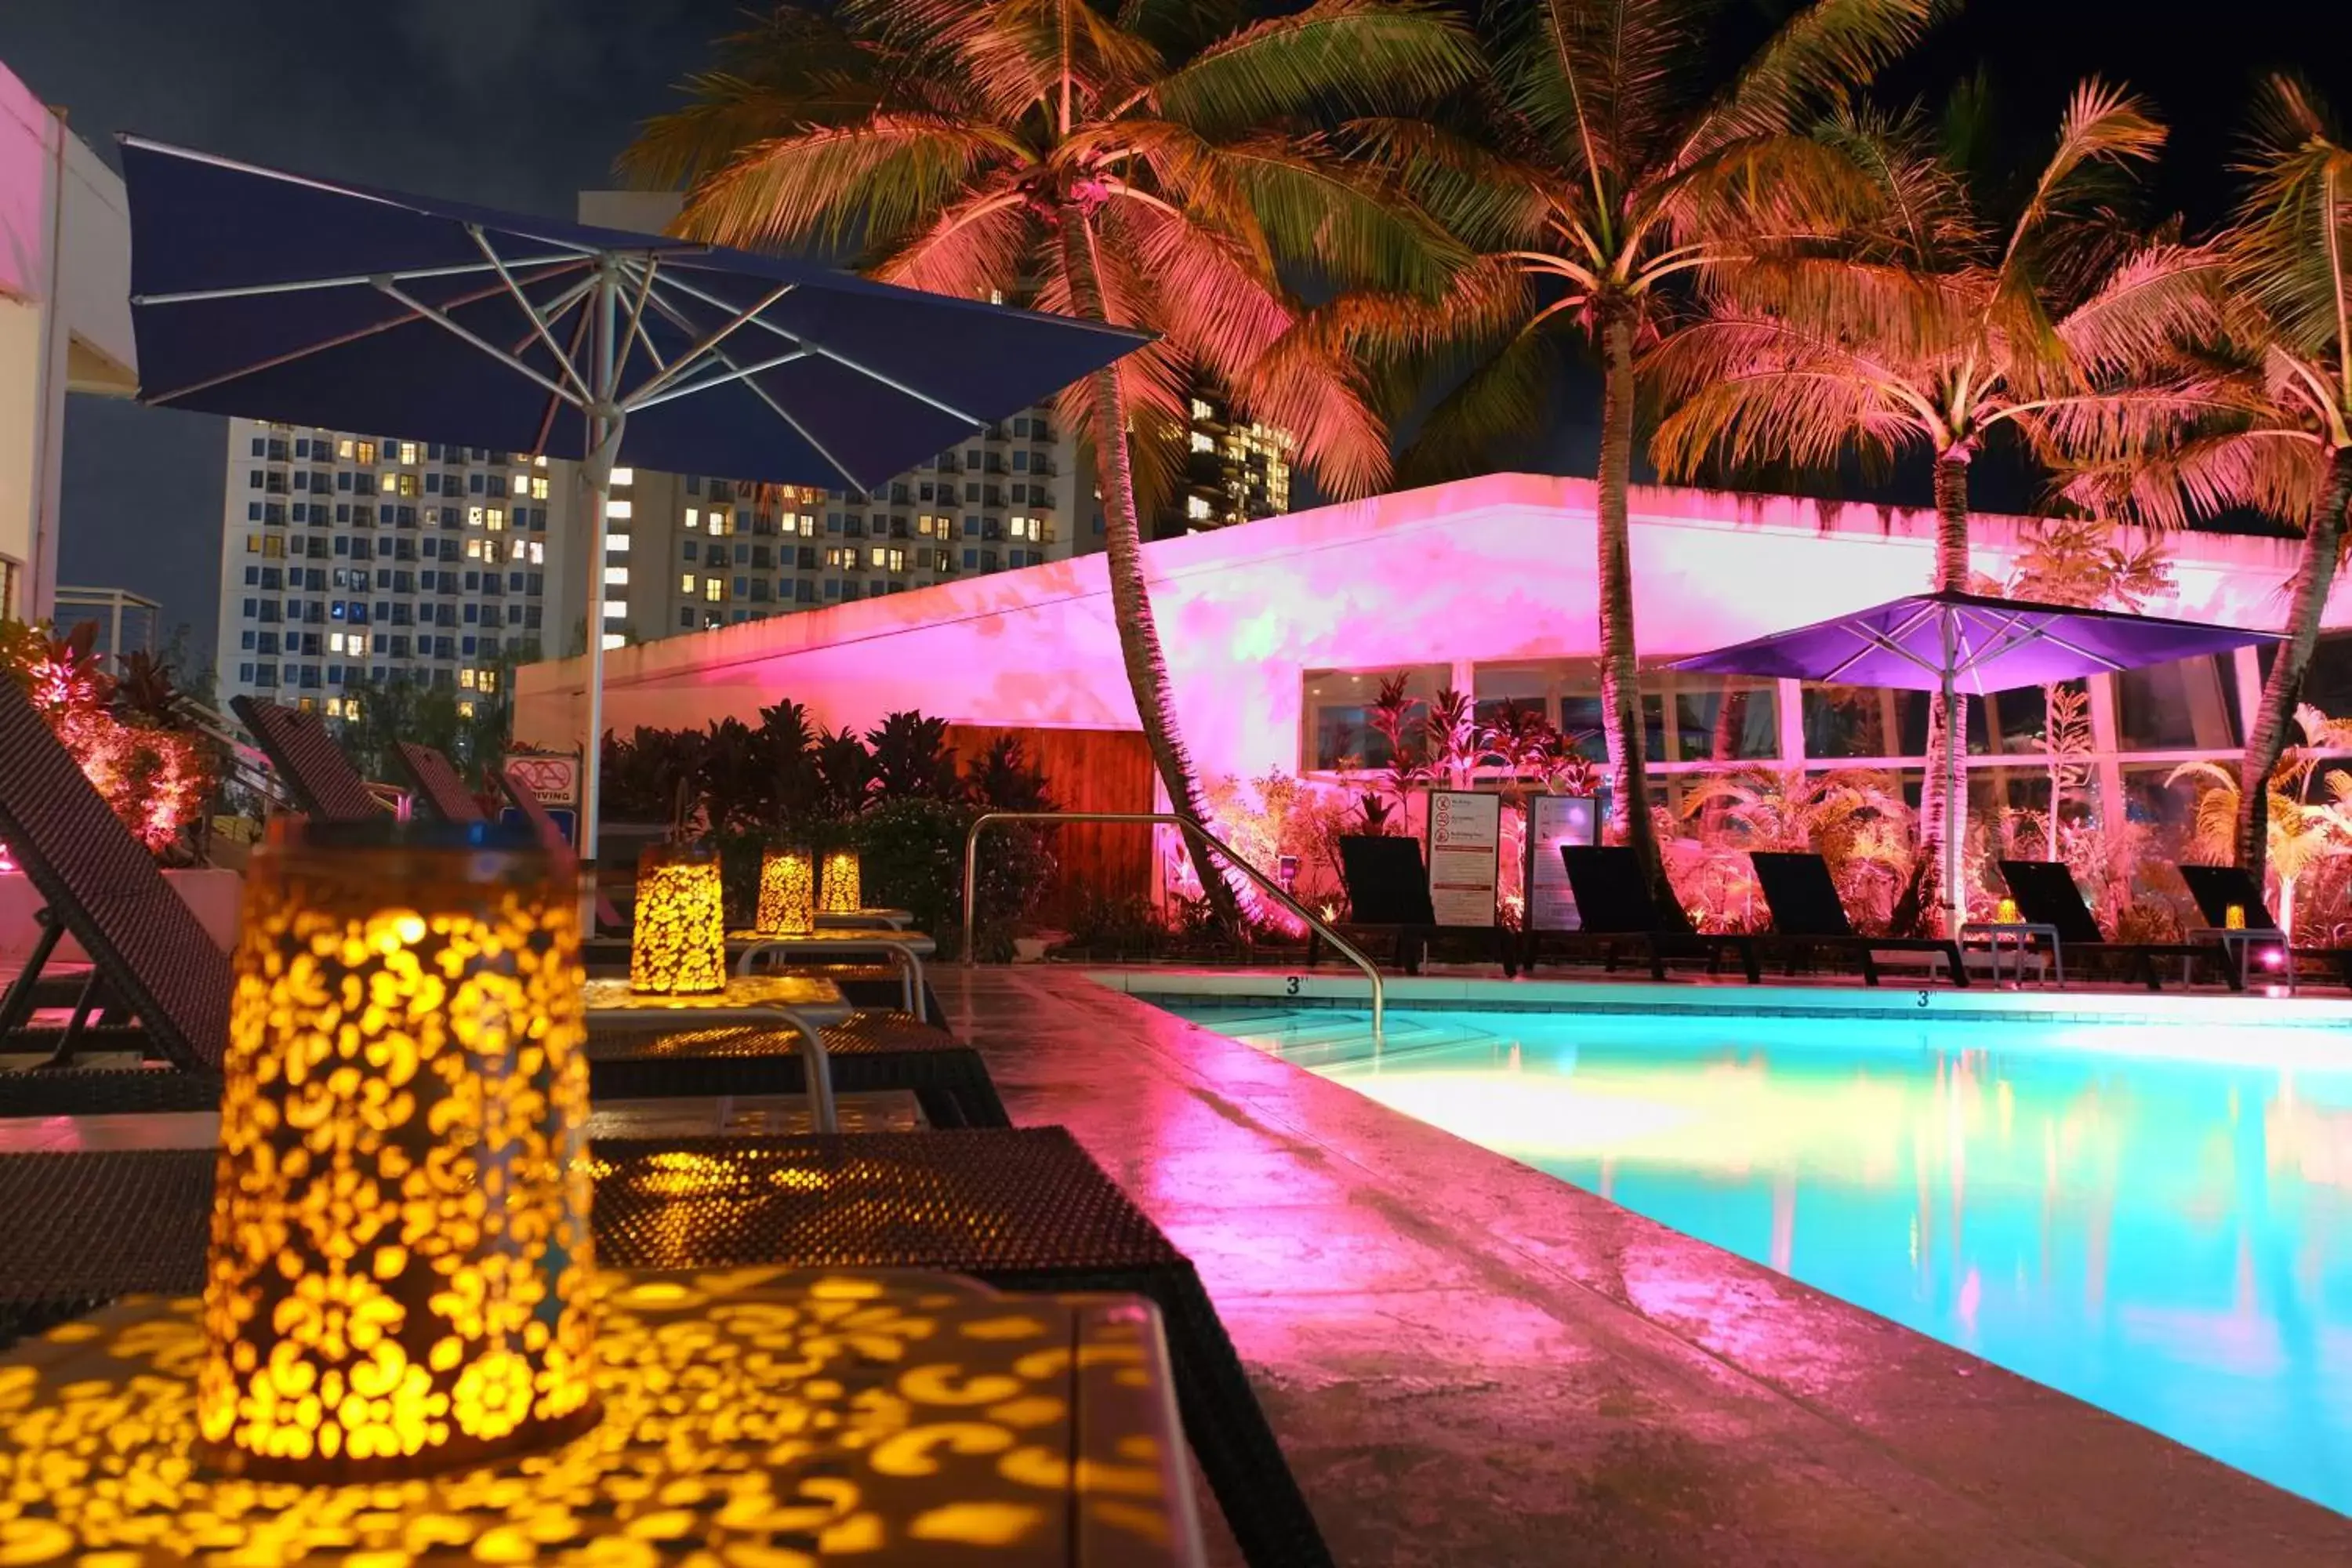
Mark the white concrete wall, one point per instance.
(1496, 568)
(65, 319)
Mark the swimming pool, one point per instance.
(2153, 1218)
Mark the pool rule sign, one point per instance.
(1465, 836)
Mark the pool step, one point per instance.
(1313, 1038)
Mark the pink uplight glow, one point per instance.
(1493, 569)
(153, 779)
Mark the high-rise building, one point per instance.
(348, 559)
(1234, 471)
(691, 553)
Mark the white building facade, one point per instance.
(65, 325)
(349, 559)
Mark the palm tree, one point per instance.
(1614, 156)
(1929, 330)
(2257, 414)
(1151, 164)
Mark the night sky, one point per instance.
(522, 103)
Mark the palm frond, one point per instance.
(1334, 58)
(982, 245)
(1821, 53)
(863, 184)
(2277, 472)
(1484, 196)
(1338, 220)
(2103, 128)
(1502, 398)
(2156, 301)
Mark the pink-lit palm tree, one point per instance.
(1614, 153)
(1154, 163)
(1935, 329)
(2256, 412)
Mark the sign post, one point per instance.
(1466, 835)
(1554, 820)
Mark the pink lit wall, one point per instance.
(1499, 567)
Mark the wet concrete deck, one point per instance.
(1469, 1362)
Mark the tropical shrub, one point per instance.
(156, 777)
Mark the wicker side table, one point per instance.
(748, 1415)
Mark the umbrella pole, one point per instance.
(1956, 815)
(604, 422)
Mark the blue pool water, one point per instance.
(2153, 1218)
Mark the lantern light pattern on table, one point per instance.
(679, 944)
(787, 893)
(397, 1277)
(840, 894)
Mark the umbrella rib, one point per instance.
(891, 382)
(671, 312)
(2112, 667)
(529, 310)
(738, 373)
(557, 309)
(306, 351)
(556, 264)
(1884, 641)
(708, 343)
(469, 335)
(555, 404)
(636, 332)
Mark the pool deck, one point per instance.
(1469, 1362)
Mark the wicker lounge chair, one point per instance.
(2046, 895)
(1387, 892)
(316, 774)
(1614, 909)
(2216, 887)
(435, 785)
(1808, 914)
(148, 951)
(1020, 1210)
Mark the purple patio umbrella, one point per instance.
(1973, 643)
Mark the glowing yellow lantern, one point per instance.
(397, 1278)
(787, 893)
(2234, 918)
(840, 894)
(679, 948)
(2005, 912)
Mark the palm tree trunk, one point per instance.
(2321, 543)
(1939, 812)
(1130, 595)
(1620, 690)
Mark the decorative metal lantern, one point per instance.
(787, 893)
(840, 894)
(680, 947)
(398, 1275)
(2234, 918)
(2005, 914)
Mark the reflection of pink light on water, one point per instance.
(1971, 1297)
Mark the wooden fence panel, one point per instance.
(1085, 770)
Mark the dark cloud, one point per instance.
(517, 103)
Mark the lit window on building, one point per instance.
(715, 590)
(618, 509)
(624, 476)
(616, 576)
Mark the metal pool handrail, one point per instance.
(1340, 944)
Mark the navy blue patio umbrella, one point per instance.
(1954, 642)
(269, 295)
